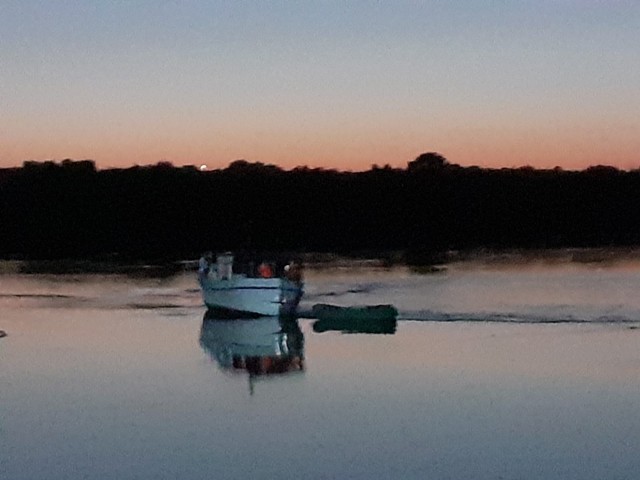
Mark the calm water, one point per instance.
(512, 372)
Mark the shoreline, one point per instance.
(323, 260)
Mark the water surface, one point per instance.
(491, 372)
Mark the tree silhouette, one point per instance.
(72, 210)
(427, 161)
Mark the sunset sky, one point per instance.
(335, 84)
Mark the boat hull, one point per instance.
(242, 296)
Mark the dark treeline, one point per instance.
(71, 210)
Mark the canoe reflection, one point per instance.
(259, 346)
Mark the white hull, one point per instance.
(255, 296)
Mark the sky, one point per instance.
(331, 84)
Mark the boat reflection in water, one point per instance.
(261, 346)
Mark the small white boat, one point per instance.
(236, 295)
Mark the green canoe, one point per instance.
(362, 319)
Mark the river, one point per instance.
(522, 370)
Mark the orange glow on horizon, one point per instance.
(355, 149)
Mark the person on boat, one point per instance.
(293, 272)
(204, 264)
(265, 270)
